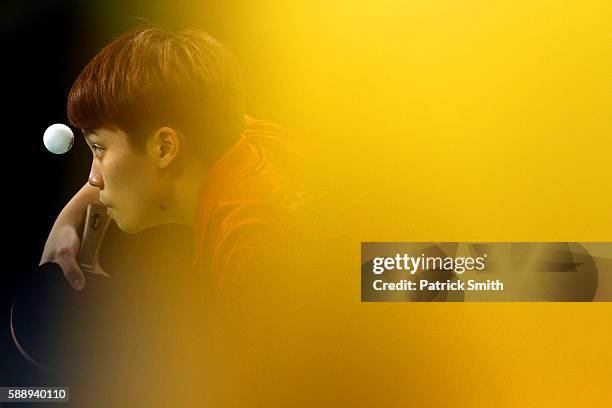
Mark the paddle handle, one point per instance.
(96, 224)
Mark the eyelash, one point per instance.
(96, 149)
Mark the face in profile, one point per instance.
(131, 182)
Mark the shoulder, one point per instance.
(255, 223)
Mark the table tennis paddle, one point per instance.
(59, 329)
(96, 224)
(52, 325)
(45, 310)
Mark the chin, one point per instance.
(134, 227)
(130, 230)
(127, 227)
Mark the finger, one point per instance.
(73, 272)
(45, 258)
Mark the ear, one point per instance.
(165, 145)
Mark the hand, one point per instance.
(62, 247)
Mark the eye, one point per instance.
(96, 149)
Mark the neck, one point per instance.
(183, 206)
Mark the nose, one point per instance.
(95, 177)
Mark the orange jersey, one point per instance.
(247, 204)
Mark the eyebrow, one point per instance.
(89, 135)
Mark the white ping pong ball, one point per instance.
(58, 138)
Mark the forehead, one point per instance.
(104, 133)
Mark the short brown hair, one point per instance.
(149, 77)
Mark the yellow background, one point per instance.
(453, 121)
(434, 121)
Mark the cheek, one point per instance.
(131, 183)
